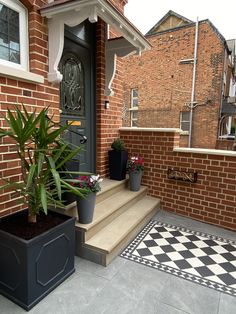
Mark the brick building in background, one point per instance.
(159, 87)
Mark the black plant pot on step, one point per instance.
(30, 269)
(117, 164)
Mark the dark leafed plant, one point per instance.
(118, 144)
(43, 153)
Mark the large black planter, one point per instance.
(30, 269)
(117, 164)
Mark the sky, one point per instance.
(144, 14)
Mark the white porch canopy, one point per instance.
(74, 12)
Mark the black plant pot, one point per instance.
(117, 164)
(30, 269)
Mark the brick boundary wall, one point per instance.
(212, 199)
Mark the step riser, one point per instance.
(104, 259)
(103, 195)
(91, 232)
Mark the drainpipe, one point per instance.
(193, 86)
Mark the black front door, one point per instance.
(77, 92)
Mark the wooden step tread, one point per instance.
(110, 205)
(111, 235)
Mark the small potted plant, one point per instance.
(86, 204)
(135, 167)
(118, 157)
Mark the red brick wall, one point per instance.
(165, 84)
(212, 199)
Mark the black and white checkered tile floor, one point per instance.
(205, 259)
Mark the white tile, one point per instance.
(195, 262)
(217, 269)
(218, 258)
(174, 256)
(198, 252)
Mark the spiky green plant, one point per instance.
(43, 154)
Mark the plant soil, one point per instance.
(18, 224)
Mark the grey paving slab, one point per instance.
(227, 304)
(134, 289)
(190, 297)
(73, 296)
(163, 308)
(105, 272)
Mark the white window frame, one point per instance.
(181, 121)
(20, 70)
(23, 30)
(133, 108)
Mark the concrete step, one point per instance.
(109, 209)
(107, 243)
(109, 188)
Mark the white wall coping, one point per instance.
(137, 129)
(205, 151)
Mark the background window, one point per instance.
(134, 107)
(9, 34)
(184, 120)
(13, 34)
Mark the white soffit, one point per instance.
(75, 12)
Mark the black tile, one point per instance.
(204, 271)
(229, 247)
(176, 233)
(160, 229)
(229, 257)
(144, 252)
(155, 235)
(190, 245)
(167, 248)
(172, 240)
(208, 251)
(227, 279)
(186, 254)
(228, 267)
(206, 260)
(210, 242)
(150, 243)
(162, 258)
(182, 264)
(192, 237)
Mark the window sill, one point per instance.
(184, 132)
(21, 75)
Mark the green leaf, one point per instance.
(57, 181)
(30, 176)
(43, 198)
(41, 159)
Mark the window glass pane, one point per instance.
(9, 35)
(3, 26)
(14, 31)
(4, 53)
(4, 40)
(3, 12)
(134, 123)
(13, 17)
(185, 126)
(185, 115)
(135, 102)
(14, 45)
(134, 92)
(14, 56)
(134, 114)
